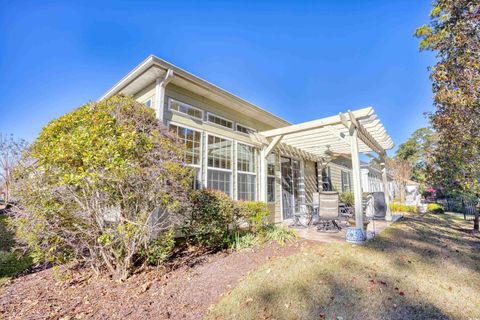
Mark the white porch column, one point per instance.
(386, 191)
(357, 184)
(160, 94)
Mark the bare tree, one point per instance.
(10, 151)
(401, 171)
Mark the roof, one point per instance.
(153, 67)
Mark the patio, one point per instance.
(346, 134)
(375, 227)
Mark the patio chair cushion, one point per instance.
(328, 205)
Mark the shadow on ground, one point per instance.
(424, 267)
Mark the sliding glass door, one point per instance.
(290, 169)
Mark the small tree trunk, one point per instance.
(476, 221)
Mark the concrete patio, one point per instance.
(374, 228)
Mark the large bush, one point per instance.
(215, 221)
(254, 213)
(211, 218)
(98, 184)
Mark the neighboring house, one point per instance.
(221, 133)
(372, 180)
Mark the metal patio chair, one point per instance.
(329, 212)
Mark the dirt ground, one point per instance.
(186, 292)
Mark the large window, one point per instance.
(246, 174)
(271, 178)
(219, 175)
(220, 121)
(191, 140)
(187, 109)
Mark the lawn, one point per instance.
(11, 263)
(424, 267)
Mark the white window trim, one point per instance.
(271, 176)
(201, 144)
(185, 105)
(232, 181)
(223, 118)
(239, 124)
(255, 173)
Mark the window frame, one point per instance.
(348, 183)
(219, 125)
(241, 125)
(196, 166)
(270, 176)
(254, 173)
(232, 154)
(170, 100)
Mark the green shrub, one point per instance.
(347, 198)
(97, 183)
(435, 208)
(255, 213)
(400, 207)
(212, 217)
(160, 249)
(282, 235)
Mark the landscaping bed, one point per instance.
(186, 291)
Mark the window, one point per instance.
(271, 178)
(220, 121)
(346, 181)
(191, 140)
(219, 160)
(148, 102)
(246, 176)
(184, 108)
(244, 129)
(326, 179)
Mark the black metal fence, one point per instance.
(467, 206)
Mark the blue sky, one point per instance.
(298, 59)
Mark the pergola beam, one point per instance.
(365, 112)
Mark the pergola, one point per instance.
(353, 133)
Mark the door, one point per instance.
(290, 186)
(287, 187)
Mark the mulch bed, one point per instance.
(185, 292)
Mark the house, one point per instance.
(248, 152)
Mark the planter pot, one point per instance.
(355, 235)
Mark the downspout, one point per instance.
(160, 94)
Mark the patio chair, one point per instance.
(328, 211)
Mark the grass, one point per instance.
(425, 267)
(11, 263)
